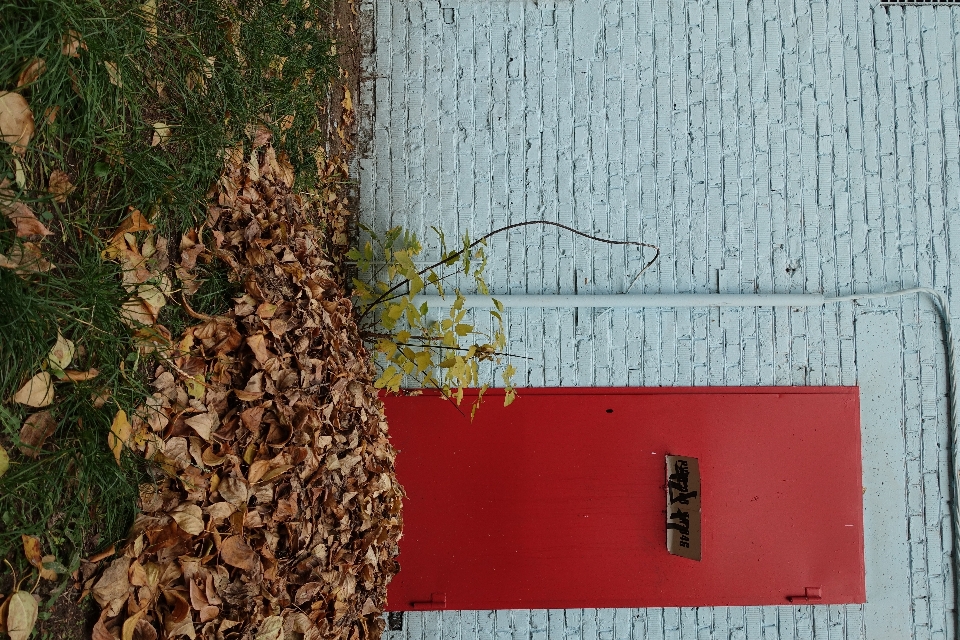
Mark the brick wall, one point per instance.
(765, 145)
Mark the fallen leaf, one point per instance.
(161, 133)
(37, 392)
(114, 74)
(35, 431)
(130, 624)
(31, 72)
(31, 549)
(72, 44)
(204, 424)
(114, 583)
(347, 99)
(50, 114)
(23, 219)
(21, 615)
(190, 518)
(19, 173)
(61, 354)
(238, 553)
(134, 313)
(119, 434)
(25, 258)
(271, 629)
(72, 375)
(16, 121)
(149, 11)
(153, 298)
(59, 185)
(4, 460)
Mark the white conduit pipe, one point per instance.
(686, 300)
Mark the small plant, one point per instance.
(444, 354)
(436, 354)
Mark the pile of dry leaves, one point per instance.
(276, 512)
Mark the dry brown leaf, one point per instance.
(21, 615)
(4, 460)
(114, 74)
(16, 121)
(50, 114)
(72, 44)
(204, 424)
(111, 590)
(24, 259)
(270, 629)
(119, 434)
(237, 553)
(37, 392)
(31, 72)
(190, 518)
(257, 344)
(35, 431)
(59, 185)
(135, 313)
(23, 219)
(72, 375)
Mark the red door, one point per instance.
(559, 501)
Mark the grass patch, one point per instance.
(136, 115)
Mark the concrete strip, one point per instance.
(879, 358)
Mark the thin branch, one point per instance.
(456, 255)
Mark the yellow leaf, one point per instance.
(16, 121)
(21, 615)
(60, 355)
(4, 460)
(196, 387)
(463, 329)
(130, 624)
(119, 434)
(37, 392)
(31, 549)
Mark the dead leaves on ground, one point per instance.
(280, 513)
(16, 121)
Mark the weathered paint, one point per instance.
(765, 145)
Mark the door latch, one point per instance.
(437, 601)
(810, 594)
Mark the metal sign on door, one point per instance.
(558, 501)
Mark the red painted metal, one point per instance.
(558, 500)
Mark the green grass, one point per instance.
(74, 496)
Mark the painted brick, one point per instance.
(766, 145)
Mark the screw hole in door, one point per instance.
(609, 410)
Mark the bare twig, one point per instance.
(456, 255)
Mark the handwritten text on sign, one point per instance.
(683, 507)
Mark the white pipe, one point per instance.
(630, 300)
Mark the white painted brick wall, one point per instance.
(765, 145)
